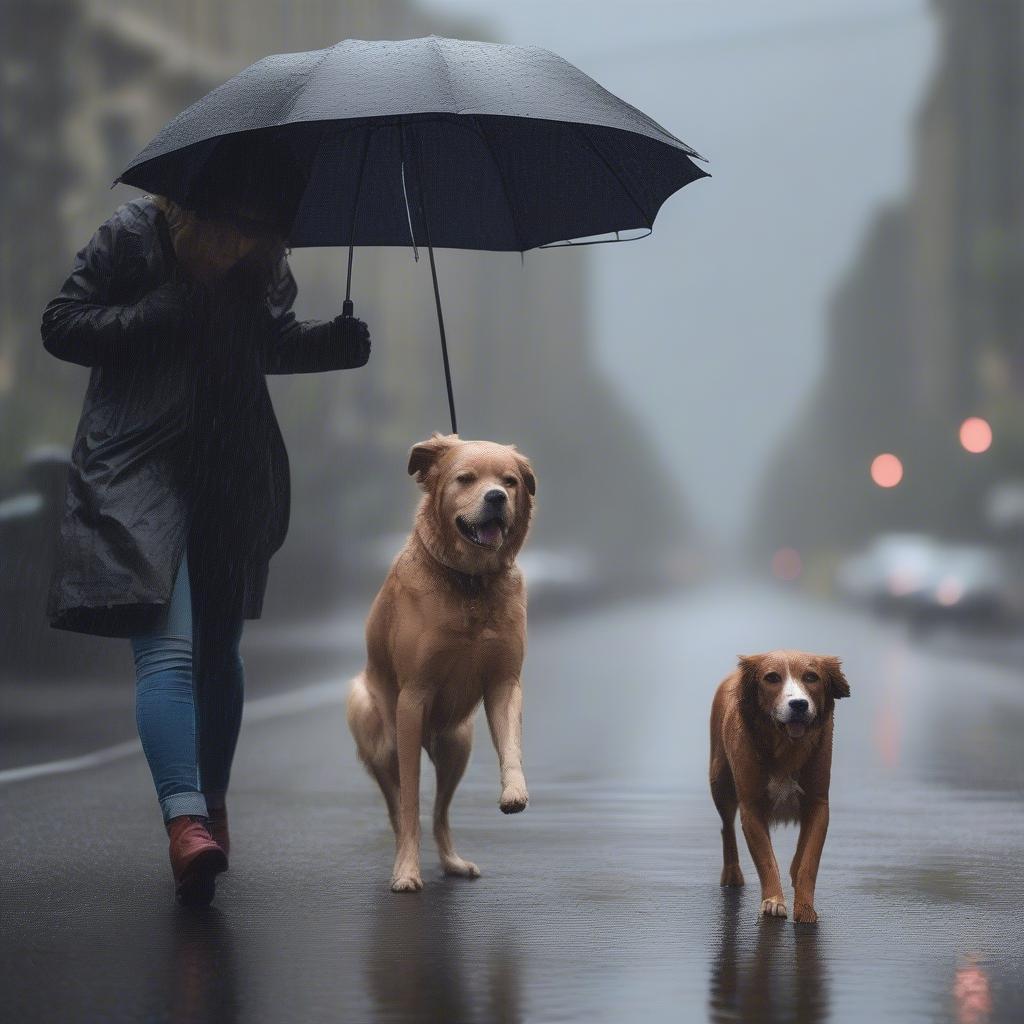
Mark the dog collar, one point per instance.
(467, 581)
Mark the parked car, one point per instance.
(969, 583)
(890, 569)
(559, 579)
(30, 510)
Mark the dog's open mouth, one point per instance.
(796, 729)
(490, 533)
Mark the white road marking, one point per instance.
(303, 699)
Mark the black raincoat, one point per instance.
(177, 432)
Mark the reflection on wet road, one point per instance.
(781, 979)
(601, 903)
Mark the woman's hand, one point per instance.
(312, 346)
(354, 337)
(309, 346)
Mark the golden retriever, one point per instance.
(447, 630)
(771, 756)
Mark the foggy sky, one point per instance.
(714, 327)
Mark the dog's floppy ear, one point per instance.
(837, 684)
(424, 455)
(528, 475)
(750, 667)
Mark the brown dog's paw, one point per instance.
(731, 875)
(406, 882)
(460, 868)
(774, 907)
(514, 799)
(804, 913)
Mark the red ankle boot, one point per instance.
(219, 828)
(196, 860)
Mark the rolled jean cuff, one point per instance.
(184, 803)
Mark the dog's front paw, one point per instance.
(406, 875)
(514, 798)
(804, 913)
(774, 907)
(407, 881)
(460, 868)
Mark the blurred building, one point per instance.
(928, 326)
(966, 218)
(88, 82)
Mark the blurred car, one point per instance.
(554, 577)
(969, 583)
(892, 568)
(559, 578)
(30, 511)
(30, 508)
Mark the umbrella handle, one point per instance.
(346, 306)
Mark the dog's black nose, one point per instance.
(496, 497)
(799, 705)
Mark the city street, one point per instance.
(600, 903)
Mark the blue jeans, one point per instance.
(189, 686)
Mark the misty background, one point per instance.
(707, 399)
(790, 417)
(713, 329)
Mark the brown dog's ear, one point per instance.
(750, 667)
(528, 475)
(424, 455)
(837, 684)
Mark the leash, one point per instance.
(347, 307)
(433, 275)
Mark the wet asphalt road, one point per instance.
(601, 902)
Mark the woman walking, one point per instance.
(178, 492)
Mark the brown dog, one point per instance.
(771, 755)
(447, 629)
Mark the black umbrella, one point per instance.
(433, 142)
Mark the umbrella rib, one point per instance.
(595, 241)
(408, 215)
(501, 178)
(447, 74)
(611, 170)
(405, 194)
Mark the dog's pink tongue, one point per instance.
(489, 533)
(796, 729)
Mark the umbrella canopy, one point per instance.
(435, 142)
(442, 142)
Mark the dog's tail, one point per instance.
(365, 722)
